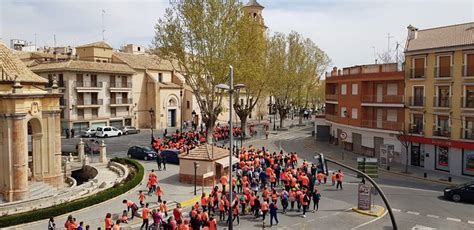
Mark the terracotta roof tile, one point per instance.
(12, 67)
(206, 152)
(99, 44)
(145, 61)
(443, 37)
(76, 65)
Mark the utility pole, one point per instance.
(103, 27)
(396, 57)
(388, 42)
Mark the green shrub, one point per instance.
(134, 178)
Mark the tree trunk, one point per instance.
(282, 118)
(210, 123)
(243, 125)
(300, 118)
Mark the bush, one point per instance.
(134, 178)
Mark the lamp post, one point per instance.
(152, 113)
(181, 112)
(274, 117)
(230, 88)
(194, 118)
(196, 165)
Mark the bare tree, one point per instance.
(402, 137)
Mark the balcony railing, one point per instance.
(331, 117)
(91, 84)
(443, 72)
(467, 71)
(388, 125)
(120, 85)
(441, 131)
(331, 97)
(467, 134)
(444, 102)
(416, 101)
(90, 102)
(121, 101)
(417, 73)
(392, 99)
(467, 102)
(416, 128)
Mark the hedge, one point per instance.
(40, 214)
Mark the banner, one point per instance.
(442, 158)
(364, 201)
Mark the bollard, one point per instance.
(450, 179)
(425, 175)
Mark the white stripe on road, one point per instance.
(322, 217)
(470, 221)
(432, 216)
(413, 213)
(453, 219)
(366, 223)
(396, 210)
(296, 224)
(310, 220)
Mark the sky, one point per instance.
(349, 31)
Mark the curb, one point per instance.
(378, 213)
(418, 177)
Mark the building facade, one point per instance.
(439, 72)
(365, 107)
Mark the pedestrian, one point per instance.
(51, 224)
(163, 208)
(72, 133)
(305, 202)
(67, 133)
(221, 210)
(333, 178)
(264, 208)
(223, 182)
(131, 206)
(116, 225)
(124, 218)
(316, 197)
(159, 193)
(141, 198)
(145, 213)
(284, 200)
(157, 218)
(165, 133)
(158, 160)
(273, 213)
(177, 212)
(108, 221)
(163, 161)
(204, 201)
(81, 226)
(325, 178)
(266, 134)
(339, 176)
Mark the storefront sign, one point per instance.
(439, 142)
(364, 201)
(442, 158)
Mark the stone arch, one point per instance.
(173, 110)
(35, 132)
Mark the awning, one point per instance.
(225, 161)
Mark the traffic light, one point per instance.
(321, 163)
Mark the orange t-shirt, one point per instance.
(108, 222)
(264, 206)
(163, 207)
(223, 180)
(145, 212)
(141, 197)
(304, 180)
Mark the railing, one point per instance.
(467, 71)
(467, 134)
(467, 102)
(441, 132)
(394, 99)
(417, 73)
(90, 102)
(121, 101)
(331, 117)
(441, 72)
(416, 101)
(120, 84)
(331, 97)
(390, 125)
(92, 84)
(442, 101)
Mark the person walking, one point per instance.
(72, 133)
(141, 198)
(305, 202)
(145, 214)
(116, 225)
(316, 197)
(108, 221)
(264, 208)
(284, 200)
(339, 176)
(51, 224)
(333, 178)
(159, 159)
(159, 193)
(67, 133)
(131, 206)
(273, 213)
(163, 161)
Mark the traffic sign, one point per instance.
(343, 135)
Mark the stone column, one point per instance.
(80, 150)
(19, 159)
(103, 152)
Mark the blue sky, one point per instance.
(348, 30)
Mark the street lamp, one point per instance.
(230, 88)
(181, 111)
(196, 165)
(152, 113)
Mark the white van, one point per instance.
(107, 131)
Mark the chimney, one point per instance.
(412, 32)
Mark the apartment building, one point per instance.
(439, 72)
(365, 104)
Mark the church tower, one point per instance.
(254, 10)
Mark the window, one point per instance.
(443, 98)
(160, 77)
(418, 96)
(442, 126)
(444, 66)
(392, 89)
(188, 104)
(469, 65)
(95, 112)
(354, 89)
(343, 89)
(354, 113)
(469, 97)
(138, 48)
(343, 112)
(416, 125)
(113, 112)
(468, 128)
(392, 115)
(442, 158)
(418, 68)
(80, 113)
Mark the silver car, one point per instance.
(90, 132)
(129, 130)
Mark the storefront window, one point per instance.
(468, 162)
(442, 158)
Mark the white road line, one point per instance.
(470, 221)
(368, 222)
(310, 220)
(396, 210)
(432, 216)
(296, 224)
(453, 219)
(413, 213)
(323, 217)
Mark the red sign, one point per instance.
(439, 142)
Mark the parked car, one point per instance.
(130, 130)
(108, 131)
(141, 152)
(462, 192)
(90, 132)
(171, 155)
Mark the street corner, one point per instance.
(375, 211)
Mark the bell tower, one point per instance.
(254, 10)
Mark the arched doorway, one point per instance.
(35, 136)
(172, 112)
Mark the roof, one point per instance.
(253, 3)
(169, 85)
(145, 61)
(206, 152)
(99, 44)
(76, 65)
(443, 37)
(12, 68)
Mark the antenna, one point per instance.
(103, 27)
(388, 43)
(54, 40)
(375, 56)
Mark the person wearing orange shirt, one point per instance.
(333, 178)
(304, 181)
(264, 208)
(274, 196)
(339, 176)
(272, 180)
(116, 225)
(159, 193)
(145, 214)
(221, 209)
(204, 201)
(108, 221)
(182, 226)
(164, 208)
(298, 199)
(212, 223)
(141, 198)
(305, 202)
(319, 177)
(292, 198)
(223, 182)
(265, 193)
(131, 205)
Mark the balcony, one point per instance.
(442, 102)
(441, 131)
(417, 73)
(416, 128)
(467, 103)
(120, 86)
(83, 103)
(443, 73)
(88, 86)
(387, 99)
(467, 134)
(331, 117)
(416, 101)
(467, 71)
(379, 124)
(120, 101)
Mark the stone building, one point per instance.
(28, 111)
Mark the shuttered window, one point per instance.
(444, 66)
(419, 67)
(470, 65)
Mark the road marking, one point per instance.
(296, 224)
(421, 227)
(453, 219)
(413, 213)
(323, 217)
(310, 220)
(368, 222)
(396, 210)
(432, 216)
(470, 222)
